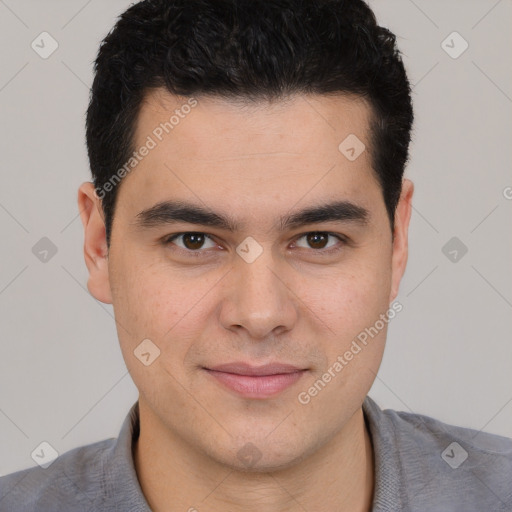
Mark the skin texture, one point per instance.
(292, 304)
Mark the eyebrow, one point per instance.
(169, 212)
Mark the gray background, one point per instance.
(449, 353)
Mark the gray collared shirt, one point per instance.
(421, 465)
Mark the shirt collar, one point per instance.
(125, 491)
(387, 465)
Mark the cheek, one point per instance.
(153, 304)
(148, 297)
(352, 309)
(160, 304)
(350, 300)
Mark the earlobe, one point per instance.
(400, 242)
(95, 243)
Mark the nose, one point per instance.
(258, 299)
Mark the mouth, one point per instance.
(257, 382)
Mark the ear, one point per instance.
(95, 243)
(400, 242)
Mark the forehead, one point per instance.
(250, 156)
(314, 116)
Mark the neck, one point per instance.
(338, 476)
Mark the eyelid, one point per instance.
(342, 238)
(169, 239)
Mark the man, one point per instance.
(248, 221)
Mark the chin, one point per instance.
(254, 457)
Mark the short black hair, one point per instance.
(247, 49)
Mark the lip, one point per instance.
(241, 368)
(256, 381)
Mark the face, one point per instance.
(289, 261)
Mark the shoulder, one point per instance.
(435, 433)
(443, 465)
(70, 483)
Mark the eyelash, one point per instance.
(200, 252)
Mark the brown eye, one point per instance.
(190, 241)
(318, 240)
(193, 240)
